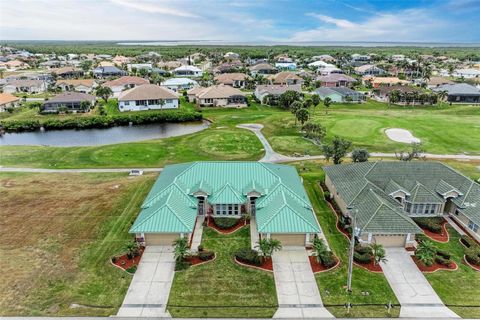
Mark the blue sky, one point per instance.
(237, 20)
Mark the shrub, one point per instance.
(248, 256)
(443, 261)
(206, 255)
(328, 259)
(431, 224)
(225, 223)
(132, 269)
(473, 256)
(467, 241)
(114, 259)
(326, 194)
(363, 250)
(362, 258)
(200, 248)
(444, 254)
(181, 265)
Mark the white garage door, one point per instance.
(391, 240)
(160, 239)
(290, 239)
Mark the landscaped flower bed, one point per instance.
(472, 252)
(451, 265)
(363, 258)
(126, 263)
(226, 228)
(434, 228)
(250, 258)
(320, 267)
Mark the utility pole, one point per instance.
(350, 255)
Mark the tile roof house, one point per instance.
(369, 69)
(67, 72)
(108, 71)
(73, 101)
(383, 81)
(124, 83)
(261, 91)
(179, 84)
(218, 96)
(147, 97)
(460, 92)
(189, 71)
(435, 82)
(236, 80)
(263, 69)
(340, 94)
(273, 194)
(8, 101)
(285, 77)
(79, 85)
(385, 195)
(336, 80)
(26, 86)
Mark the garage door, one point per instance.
(160, 239)
(391, 240)
(290, 239)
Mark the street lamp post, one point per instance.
(352, 250)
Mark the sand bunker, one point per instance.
(401, 135)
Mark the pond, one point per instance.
(95, 137)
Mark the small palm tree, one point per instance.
(327, 102)
(426, 252)
(267, 247)
(180, 249)
(319, 249)
(132, 248)
(378, 252)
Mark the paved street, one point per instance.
(416, 296)
(297, 290)
(148, 293)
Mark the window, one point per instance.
(227, 209)
(408, 207)
(472, 226)
(433, 209)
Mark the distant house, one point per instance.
(339, 94)
(71, 100)
(8, 101)
(79, 85)
(290, 66)
(119, 60)
(320, 64)
(189, 71)
(108, 71)
(236, 80)
(383, 81)
(283, 58)
(147, 97)
(14, 65)
(324, 57)
(25, 86)
(218, 96)
(359, 59)
(369, 69)
(435, 82)
(228, 67)
(468, 73)
(336, 80)
(262, 91)
(67, 72)
(231, 56)
(285, 78)
(460, 93)
(179, 84)
(263, 69)
(124, 83)
(382, 93)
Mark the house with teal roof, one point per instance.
(272, 194)
(384, 196)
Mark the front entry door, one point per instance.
(201, 207)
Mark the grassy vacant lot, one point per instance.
(446, 129)
(457, 288)
(58, 232)
(222, 288)
(332, 284)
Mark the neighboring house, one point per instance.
(382, 93)
(231, 56)
(290, 66)
(218, 96)
(383, 81)
(67, 72)
(262, 91)
(435, 82)
(336, 80)
(272, 194)
(8, 101)
(329, 70)
(460, 93)
(25, 86)
(263, 69)
(283, 58)
(14, 65)
(124, 83)
(320, 64)
(285, 78)
(189, 71)
(79, 85)
(465, 73)
(359, 59)
(138, 66)
(147, 97)
(169, 64)
(179, 84)
(71, 100)
(120, 60)
(108, 71)
(324, 57)
(369, 69)
(228, 67)
(385, 195)
(236, 80)
(339, 94)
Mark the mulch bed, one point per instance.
(318, 267)
(434, 267)
(466, 231)
(124, 263)
(369, 266)
(473, 266)
(195, 260)
(337, 224)
(438, 237)
(239, 225)
(266, 266)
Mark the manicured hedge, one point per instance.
(444, 254)
(362, 258)
(431, 224)
(225, 223)
(206, 255)
(101, 121)
(328, 259)
(473, 255)
(467, 241)
(248, 256)
(443, 261)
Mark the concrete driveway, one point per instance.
(297, 290)
(148, 293)
(416, 296)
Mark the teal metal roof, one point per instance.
(283, 205)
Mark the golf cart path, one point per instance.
(415, 294)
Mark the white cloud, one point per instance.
(154, 7)
(341, 23)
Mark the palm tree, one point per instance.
(267, 247)
(378, 252)
(442, 95)
(294, 107)
(180, 249)
(319, 249)
(326, 102)
(132, 248)
(426, 252)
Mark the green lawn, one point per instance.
(222, 288)
(457, 288)
(332, 284)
